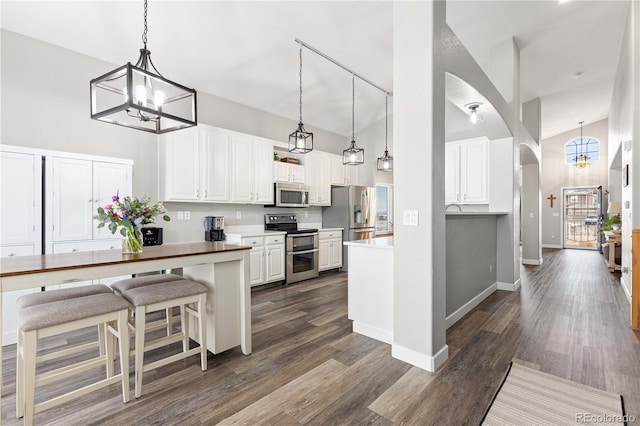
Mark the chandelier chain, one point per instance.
(353, 108)
(144, 33)
(386, 123)
(301, 83)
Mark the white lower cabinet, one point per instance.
(329, 249)
(266, 259)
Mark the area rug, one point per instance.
(530, 397)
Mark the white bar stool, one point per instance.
(55, 312)
(150, 294)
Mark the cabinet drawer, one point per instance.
(275, 239)
(11, 251)
(86, 246)
(253, 241)
(326, 235)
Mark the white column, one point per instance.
(418, 130)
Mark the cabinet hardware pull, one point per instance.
(74, 250)
(197, 193)
(205, 193)
(11, 254)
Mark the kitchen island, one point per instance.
(223, 268)
(370, 294)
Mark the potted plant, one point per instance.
(612, 224)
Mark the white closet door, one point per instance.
(109, 179)
(72, 199)
(18, 198)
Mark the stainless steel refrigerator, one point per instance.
(353, 208)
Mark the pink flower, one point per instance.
(108, 206)
(116, 216)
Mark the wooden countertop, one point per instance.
(54, 262)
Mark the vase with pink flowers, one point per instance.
(129, 214)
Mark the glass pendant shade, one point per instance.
(138, 96)
(353, 155)
(385, 163)
(301, 141)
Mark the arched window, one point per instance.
(581, 151)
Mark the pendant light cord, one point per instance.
(386, 123)
(353, 108)
(144, 33)
(301, 83)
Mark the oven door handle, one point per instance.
(291, 253)
(311, 234)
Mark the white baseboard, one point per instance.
(531, 262)
(467, 307)
(9, 338)
(626, 288)
(509, 286)
(373, 332)
(426, 362)
(556, 246)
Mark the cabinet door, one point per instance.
(280, 171)
(337, 170)
(275, 263)
(72, 199)
(242, 169)
(452, 173)
(324, 179)
(296, 173)
(256, 266)
(474, 172)
(18, 198)
(335, 259)
(109, 179)
(324, 254)
(312, 168)
(182, 166)
(214, 145)
(263, 179)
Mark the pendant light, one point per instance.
(301, 141)
(353, 155)
(474, 117)
(581, 160)
(385, 163)
(138, 96)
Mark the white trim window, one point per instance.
(586, 146)
(384, 207)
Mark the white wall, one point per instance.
(556, 174)
(624, 126)
(45, 104)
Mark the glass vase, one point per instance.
(132, 243)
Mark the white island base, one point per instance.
(370, 295)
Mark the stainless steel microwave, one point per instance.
(291, 195)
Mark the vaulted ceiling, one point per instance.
(245, 51)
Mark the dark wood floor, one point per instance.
(569, 319)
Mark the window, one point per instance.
(384, 208)
(585, 146)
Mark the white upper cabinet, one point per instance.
(251, 170)
(194, 165)
(180, 165)
(291, 173)
(214, 145)
(318, 170)
(20, 198)
(77, 188)
(337, 170)
(467, 171)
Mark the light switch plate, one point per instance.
(187, 215)
(180, 215)
(410, 217)
(238, 215)
(556, 214)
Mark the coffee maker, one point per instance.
(214, 228)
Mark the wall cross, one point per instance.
(551, 197)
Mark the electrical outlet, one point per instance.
(490, 267)
(306, 214)
(238, 215)
(553, 237)
(531, 215)
(180, 215)
(187, 215)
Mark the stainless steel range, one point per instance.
(302, 246)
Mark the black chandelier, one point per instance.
(582, 159)
(353, 155)
(301, 141)
(138, 96)
(385, 163)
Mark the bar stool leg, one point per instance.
(102, 339)
(184, 326)
(110, 350)
(202, 325)
(19, 376)
(123, 343)
(141, 311)
(169, 315)
(29, 358)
